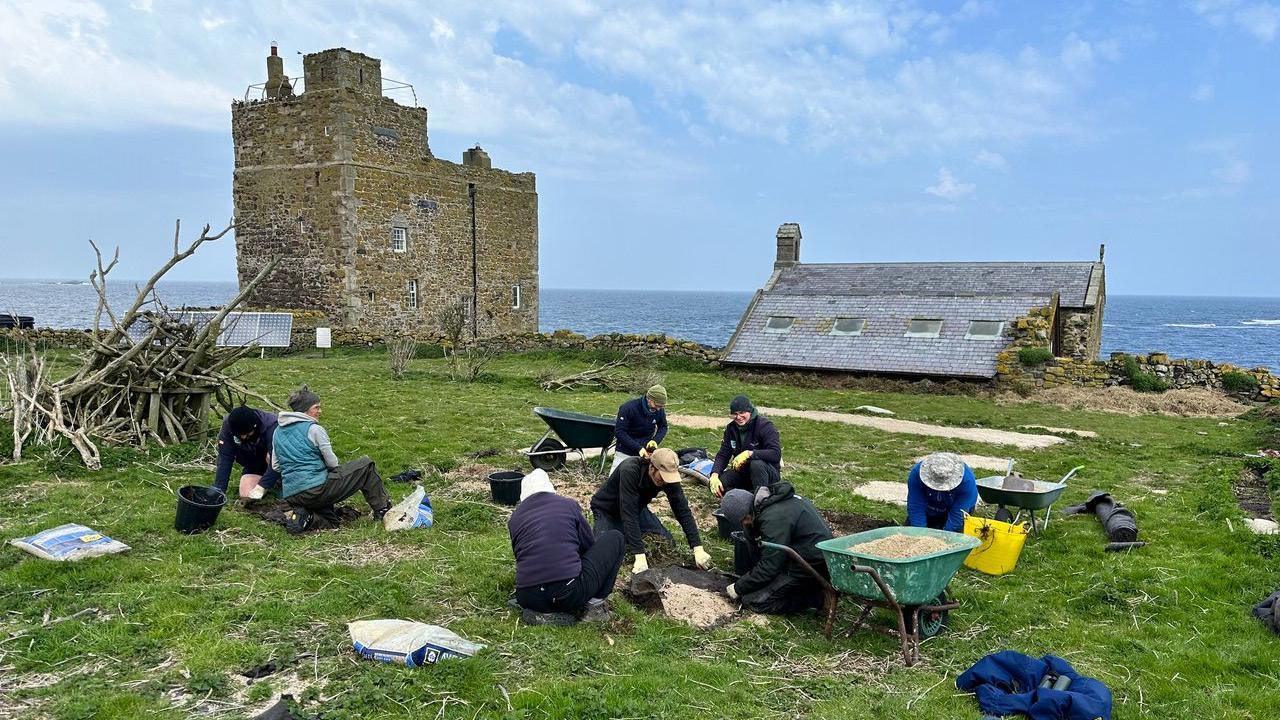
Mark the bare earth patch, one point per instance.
(1191, 402)
(883, 491)
(1025, 441)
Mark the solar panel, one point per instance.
(238, 328)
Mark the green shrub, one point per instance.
(1238, 382)
(1034, 355)
(1140, 380)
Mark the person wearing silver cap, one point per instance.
(771, 582)
(941, 490)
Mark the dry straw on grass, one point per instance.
(1189, 402)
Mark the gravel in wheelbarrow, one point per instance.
(914, 580)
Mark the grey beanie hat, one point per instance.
(735, 505)
(303, 399)
(741, 404)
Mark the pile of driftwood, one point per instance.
(156, 386)
(634, 372)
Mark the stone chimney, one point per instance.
(788, 245)
(476, 157)
(277, 84)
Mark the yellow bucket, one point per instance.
(1001, 544)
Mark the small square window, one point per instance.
(984, 330)
(922, 328)
(399, 239)
(515, 297)
(848, 326)
(413, 295)
(779, 324)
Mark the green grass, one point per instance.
(1166, 627)
(1034, 355)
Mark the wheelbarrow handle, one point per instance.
(1074, 470)
(826, 584)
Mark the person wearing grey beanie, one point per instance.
(769, 580)
(313, 479)
(750, 454)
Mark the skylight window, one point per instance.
(779, 324)
(848, 326)
(923, 328)
(984, 330)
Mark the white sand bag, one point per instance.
(407, 642)
(412, 512)
(67, 543)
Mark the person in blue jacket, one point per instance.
(641, 425)
(941, 489)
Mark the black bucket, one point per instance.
(198, 508)
(504, 486)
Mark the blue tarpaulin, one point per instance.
(1007, 683)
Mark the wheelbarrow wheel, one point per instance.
(552, 461)
(931, 623)
(1003, 514)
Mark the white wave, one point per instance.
(1260, 322)
(1192, 325)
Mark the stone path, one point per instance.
(1024, 441)
(1061, 431)
(883, 491)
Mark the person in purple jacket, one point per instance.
(561, 566)
(941, 490)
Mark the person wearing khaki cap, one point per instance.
(622, 503)
(641, 425)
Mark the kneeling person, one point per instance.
(245, 438)
(941, 489)
(772, 582)
(561, 566)
(622, 503)
(750, 454)
(313, 480)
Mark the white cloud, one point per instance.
(1234, 172)
(1259, 19)
(991, 160)
(1203, 92)
(948, 188)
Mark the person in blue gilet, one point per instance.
(312, 479)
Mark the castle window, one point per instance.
(778, 324)
(515, 297)
(984, 330)
(922, 328)
(371, 296)
(848, 326)
(413, 295)
(399, 239)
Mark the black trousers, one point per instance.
(753, 476)
(353, 476)
(600, 567)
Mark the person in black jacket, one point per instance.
(751, 446)
(641, 425)
(245, 438)
(770, 581)
(622, 503)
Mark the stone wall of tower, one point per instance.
(324, 179)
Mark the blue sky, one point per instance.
(670, 140)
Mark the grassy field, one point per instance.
(163, 630)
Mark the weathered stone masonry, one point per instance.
(341, 183)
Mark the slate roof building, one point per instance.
(917, 319)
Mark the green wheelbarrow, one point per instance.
(577, 432)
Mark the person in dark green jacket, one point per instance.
(770, 581)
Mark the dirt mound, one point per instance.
(692, 596)
(1190, 402)
(277, 513)
(847, 523)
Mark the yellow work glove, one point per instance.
(717, 487)
(740, 459)
(641, 564)
(701, 558)
(648, 449)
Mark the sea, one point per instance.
(1243, 331)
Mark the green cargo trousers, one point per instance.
(359, 475)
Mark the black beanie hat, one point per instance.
(242, 420)
(741, 404)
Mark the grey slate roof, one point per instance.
(1076, 282)
(882, 346)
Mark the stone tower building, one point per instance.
(373, 230)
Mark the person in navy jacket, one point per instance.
(641, 425)
(941, 489)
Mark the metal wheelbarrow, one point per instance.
(913, 589)
(577, 433)
(1041, 496)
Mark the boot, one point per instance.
(597, 611)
